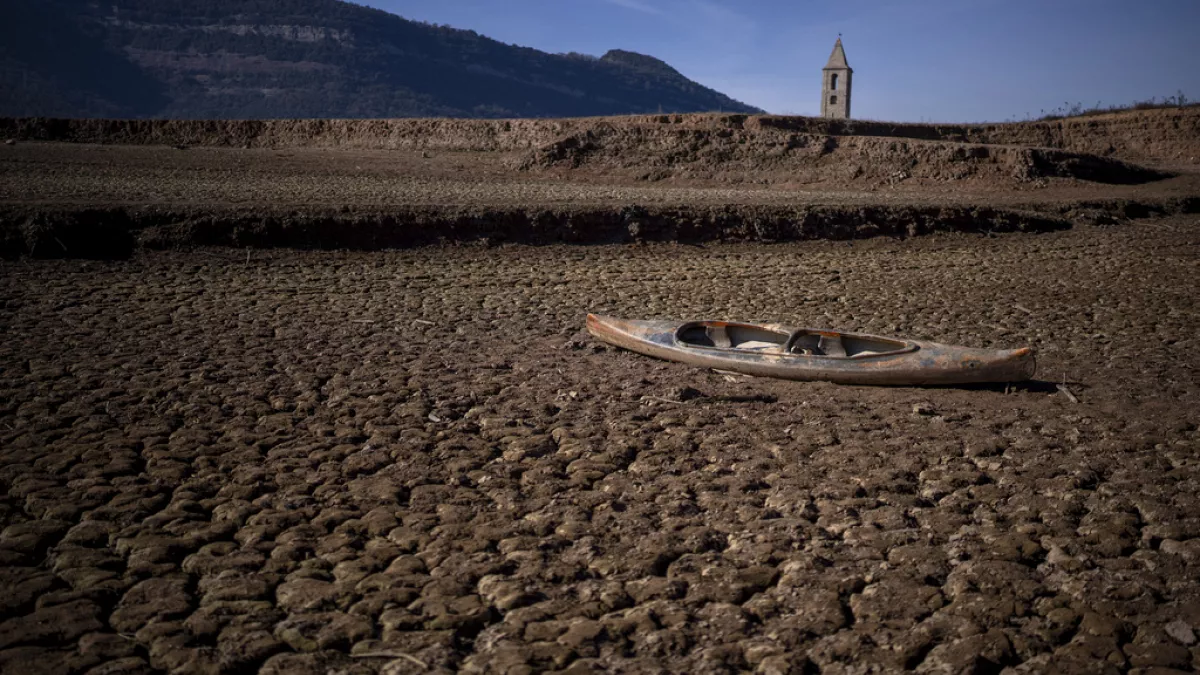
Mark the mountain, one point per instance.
(233, 59)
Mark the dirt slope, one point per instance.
(1166, 135)
(104, 188)
(656, 152)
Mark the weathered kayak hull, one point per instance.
(912, 362)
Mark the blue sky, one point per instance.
(913, 60)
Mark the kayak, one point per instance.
(772, 350)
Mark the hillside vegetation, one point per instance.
(252, 59)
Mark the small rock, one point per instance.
(580, 632)
(1189, 550)
(978, 653)
(158, 629)
(11, 141)
(106, 646)
(234, 587)
(60, 624)
(542, 631)
(782, 664)
(683, 394)
(1102, 626)
(300, 633)
(149, 599)
(1181, 632)
(130, 665)
(343, 630)
(530, 447)
(923, 409)
(89, 533)
(212, 617)
(654, 588)
(32, 536)
(303, 595)
(242, 646)
(21, 586)
(1058, 557)
(756, 653)
(505, 595)
(314, 663)
(1158, 656)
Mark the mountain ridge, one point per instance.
(272, 59)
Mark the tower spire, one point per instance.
(836, 79)
(837, 59)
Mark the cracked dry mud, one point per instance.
(416, 462)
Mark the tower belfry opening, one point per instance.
(837, 74)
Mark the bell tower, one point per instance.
(835, 84)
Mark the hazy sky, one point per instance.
(913, 60)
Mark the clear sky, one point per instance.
(913, 60)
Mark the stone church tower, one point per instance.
(835, 85)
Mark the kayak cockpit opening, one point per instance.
(732, 336)
(803, 342)
(806, 342)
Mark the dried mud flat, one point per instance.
(414, 461)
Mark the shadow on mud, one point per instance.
(93, 234)
(1030, 386)
(115, 233)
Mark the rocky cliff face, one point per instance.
(230, 59)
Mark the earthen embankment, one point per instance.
(1170, 134)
